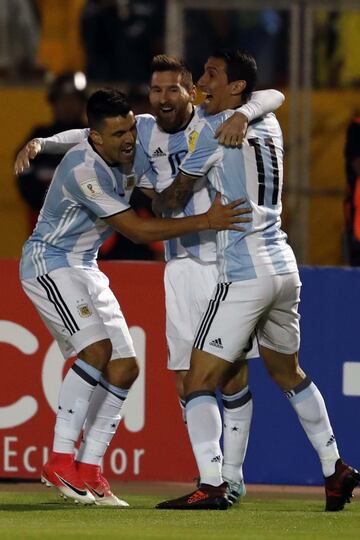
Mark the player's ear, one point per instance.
(193, 93)
(96, 137)
(237, 87)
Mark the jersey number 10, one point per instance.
(255, 142)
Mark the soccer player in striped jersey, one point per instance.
(87, 198)
(258, 286)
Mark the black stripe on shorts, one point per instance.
(62, 301)
(220, 295)
(52, 298)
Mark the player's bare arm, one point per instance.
(176, 196)
(218, 217)
(151, 193)
(28, 152)
(179, 192)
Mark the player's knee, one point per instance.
(288, 377)
(132, 374)
(179, 381)
(122, 372)
(97, 354)
(200, 381)
(235, 379)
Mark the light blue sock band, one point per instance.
(90, 370)
(121, 393)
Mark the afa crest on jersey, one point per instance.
(193, 138)
(84, 311)
(129, 181)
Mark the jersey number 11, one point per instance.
(255, 142)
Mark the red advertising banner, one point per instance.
(152, 441)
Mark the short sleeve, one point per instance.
(94, 188)
(203, 152)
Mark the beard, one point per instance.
(173, 121)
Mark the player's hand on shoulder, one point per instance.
(228, 216)
(232, 132)
(28, 152)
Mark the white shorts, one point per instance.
(267, 305)
(188, 287)
(79, 308)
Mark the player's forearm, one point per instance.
(176, 196)
(262, 102)
(62, 142)
(154, 229)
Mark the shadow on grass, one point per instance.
(11, 507)
(51, 506)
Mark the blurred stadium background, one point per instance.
(309, 49)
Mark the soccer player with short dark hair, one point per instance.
(258, 287)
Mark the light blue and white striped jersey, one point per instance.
(255, 172)
(70, 228)
(165, 152)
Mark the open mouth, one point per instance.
(208, 98)
(128, 150)
(166, 109)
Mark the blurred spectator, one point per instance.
(19, 38)
(120, 38)
(60, 48)
(262, 32)
(67, 98)
(352, 202)
(336, 34)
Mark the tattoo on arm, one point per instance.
(176, 196)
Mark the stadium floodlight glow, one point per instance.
(80, 81)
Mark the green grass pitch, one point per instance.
(43, 515)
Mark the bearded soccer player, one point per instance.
(258, 287)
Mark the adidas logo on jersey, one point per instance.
(217, 343)
(158, 153)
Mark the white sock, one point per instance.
(237, 416)
(204, 427)
(311, 410)
(101, 422)
(74, 398)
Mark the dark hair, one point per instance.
(240, 65)
(163, 62)
(106, 103)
